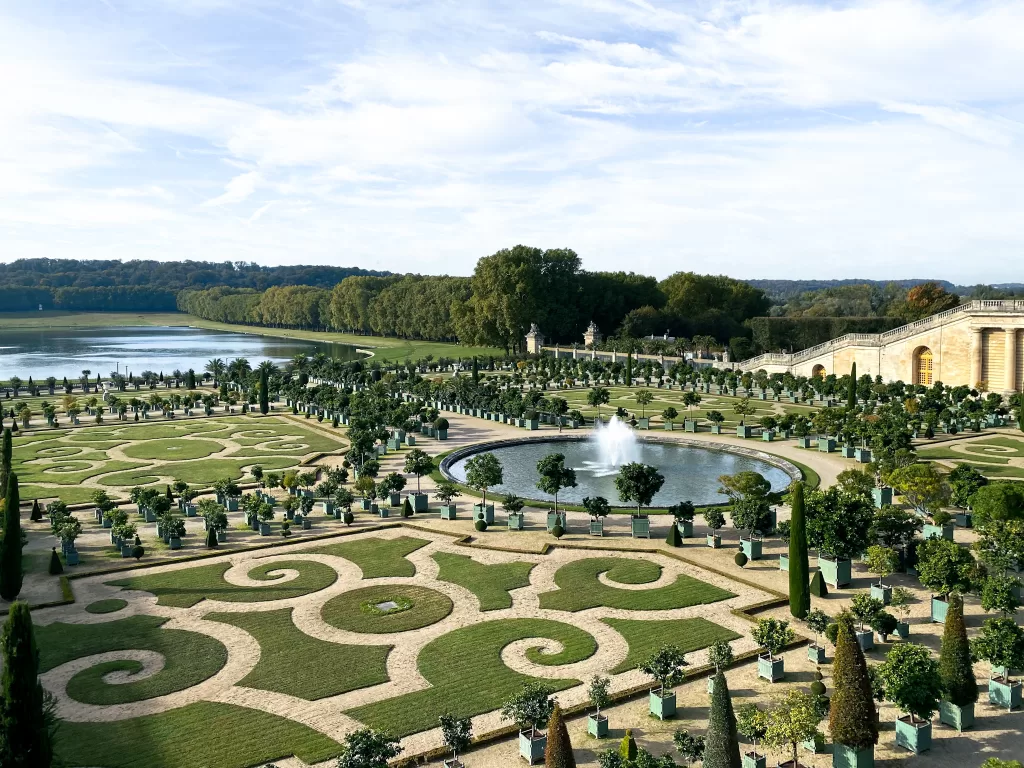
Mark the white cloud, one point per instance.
(238, 189)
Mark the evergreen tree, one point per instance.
(851, 388)
(799, 590)
(818, 587)
(37, 512)
(558, 752)
(722, 743)
(958, 684)
(674, 539)
(852, 712)
(26, 715)
(56, 567)
(407, 508)
(5, 461)
(627, 747)
(264, 394)
(629, 370)
(476, 371)
(10, 544)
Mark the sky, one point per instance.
(755, 139)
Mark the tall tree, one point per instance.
(799, 568)
(851, 388)
(5, 461)
(558, 752)
(10, 543)
(723, 745)
(955, 670)
(852, 712)
(264, 394)
(26, 713)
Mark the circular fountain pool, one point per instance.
(691, 469)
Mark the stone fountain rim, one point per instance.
(774, 460)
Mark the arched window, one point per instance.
(923, 370)
(818, 372)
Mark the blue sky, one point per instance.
(757, 139)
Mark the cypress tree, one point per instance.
(558, 752)
(56, 567)
(25, 718)
(5, 461)
(723, 745)
(476, 371)
(799, 591)
(627, 747)
(37, 513)
(958, 684)
(851, 718)
(851, 389)
(10, 544)
(674, 539)
(264, 396)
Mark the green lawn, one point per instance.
(418, 607)
(646, 637)
(296, 664)
(173, 449)
(946, 454)
(190, 657)
(376, 558)
(188, 586)
(69, 495)
(468, 677)
(200, 735)
(579, 588)
(106, 606)
(199, 473)
(490, 583)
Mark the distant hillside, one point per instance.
(780, 291)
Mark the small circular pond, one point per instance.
(691, 471)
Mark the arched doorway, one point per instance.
(923, 367)
(818, 372)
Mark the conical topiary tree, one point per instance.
(799, 590)
(818, 587)
(955, 669)
(558, 752)
(722, 748)
(627, 747)
(211, 537)
(37, 512)
(674, 539)
(10, 544)
(25, 721)
(852, 712)
(407, 508)
(56, 567)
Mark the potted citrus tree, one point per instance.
(597, 724)
(773, 635)
(598, 509)
(882, 561)
(665, 665)
(683, 513)
(530, 709)
(912, 683)
(482, 472)
(715, 519)
(1001, 644)
(817, 621)
(513, 508)
(751, 724)
(446, 492)
(457, 734)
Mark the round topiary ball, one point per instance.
(481, 525)
(348, 517)
(558, 531)
(818, 688)
(741, 559)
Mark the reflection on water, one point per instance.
(60, 352)
(691, 473)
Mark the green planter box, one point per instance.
(862, 455)
(532, 425)
(364, 504)
(516, 521)
(640, 527)
(232, 504)
(485, 513)
(882, 496)
(448, 512)
(690, 425)
(964, 519)
(532, 745)
(306, 523)
(597, 726)
(753, 760)
(644, 423)
(752, 548)
(420, 502)
(816, 653)
(865, 639)
(685, 528)
(442, 434)
(1004, 694)
(410, 439)
(961, 718)
(848, 757)
(771, 669)
(917, 737)
(744, 431)
(381, 511)
(826, 445)
(882, 592)
(814, 745)
(716, 429)
(767, 435)
(804, 442)
(939, 609)
(714, 541)
(848, 451)
(784, 562)
(902, 630)
(557, 519)
(175, 543)
(837, 572)
(662, 705)
(938, 531)
(395, 499)
(597, 527)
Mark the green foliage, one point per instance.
(597, 507)
(793, 718)
(997, 502)
(211, 538)
(367, 748)
(627, 747)
(674, 538)
(740, 558)
(1000, 642)
(645, 638)
(55, 567)
(691, 747)
(529, 707)
(665, 665)
(894, 527)
(964, 482)
(838, 521)
(955, 670)
(597, 692)
(483, 471)
(799, 567)
(554, 475)
(407, 508)
(1000, 594)
(772, 634)
(882, 561)
(946, 567)
(852, 713)
(865, 608)
(638, 483)
(722, 749)
(10, 544)
(480, 525)
(558, 751)
(911, 679)
(376, 558)
(27, 713)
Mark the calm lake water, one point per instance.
(60, 352)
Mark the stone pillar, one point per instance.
(976, 352)
(1010, 359)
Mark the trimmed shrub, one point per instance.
(740, 559)
(37, 513)
(10, 545)
(407, 508)
(799, 591)
(480, 525)
(558, 752)
(722, 748)
(674, 539)
(56, 567)
(211, 538)
(26, 737)
(138, 551)
(852, 713)
(627, 747)
(818, 588)
(955, 669)
(557, 531)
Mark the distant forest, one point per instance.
(134, 286)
